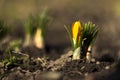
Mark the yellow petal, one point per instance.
(76, 31)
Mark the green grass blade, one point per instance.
(70, 36)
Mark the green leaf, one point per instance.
(30, 25)
(89, 34)
(42, 20)
(70, 36)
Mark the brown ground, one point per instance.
(29, 67)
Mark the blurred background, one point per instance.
(104, 13)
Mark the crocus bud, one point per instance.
(76, 32)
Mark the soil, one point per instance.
(41, 67)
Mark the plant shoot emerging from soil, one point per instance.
(10, 59)
(15, 45)
(42, 21)
(29, 30)
(88, 37)
(82, 38)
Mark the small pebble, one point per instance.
(97, 62)
(83, 67)
(12, 69)
(93, 60)
(19, 68)
(86, 74)
(107, 67)
(51, 76)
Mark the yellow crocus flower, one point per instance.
(76, 31)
